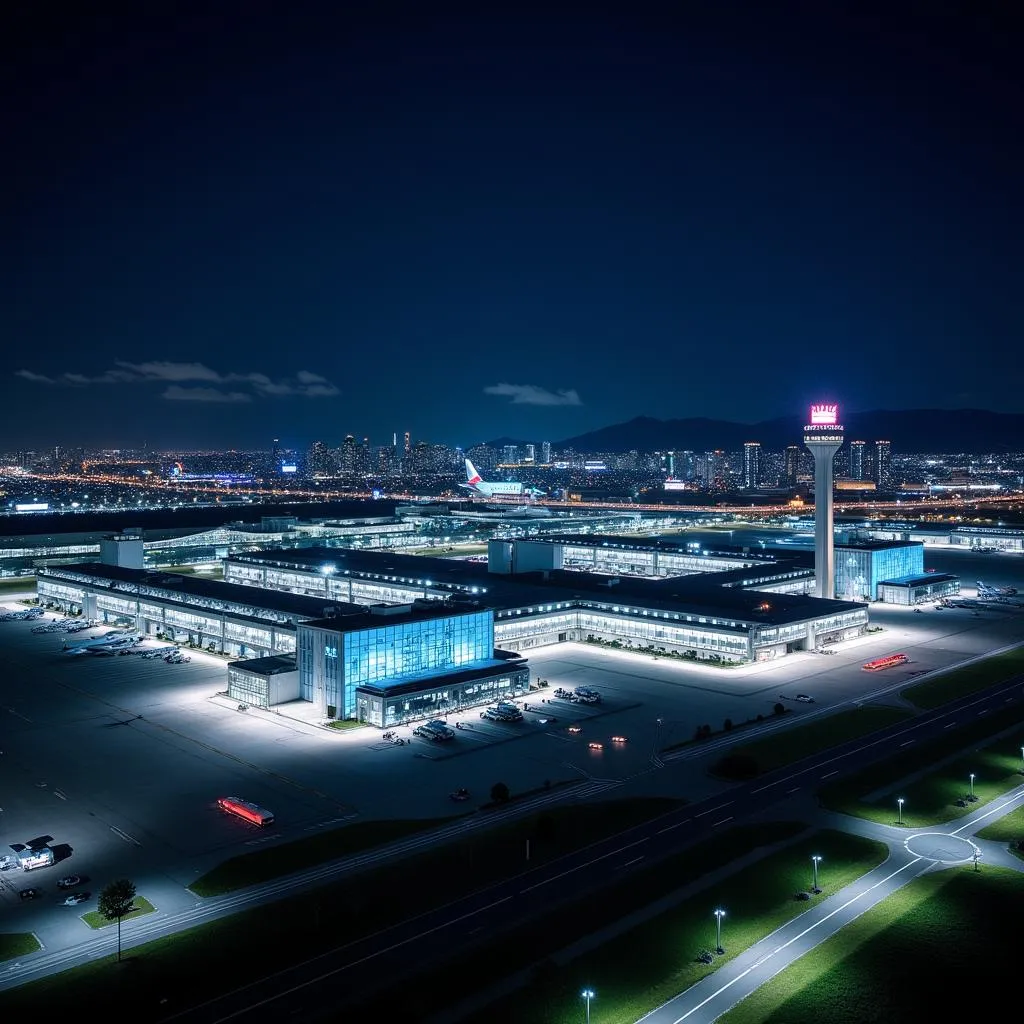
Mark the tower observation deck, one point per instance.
(823, 436)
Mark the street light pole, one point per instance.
(719, 914)
(899, 801)
(588, 995)
(814, 861)
(972, 786)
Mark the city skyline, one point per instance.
(231, 229)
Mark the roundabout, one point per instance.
(941, 848)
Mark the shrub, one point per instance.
(727, 724)
(705, 956)
(778, 709)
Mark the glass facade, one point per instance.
(859, 570)
(334, 662)
(385, 709)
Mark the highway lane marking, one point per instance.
(713, 809)
(668, 828)
(345, 967)
(907, 743)
(793, 790)
(579, 867)
(830, 774)
(950, 726)
(795, 938)
(635, 860)
(124, 835)
(722, 822)
(994, 810)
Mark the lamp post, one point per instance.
(587, 994)
(814, 860)
(719, 914)
(899, 803)
(972, 787)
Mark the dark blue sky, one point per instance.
(275, 222)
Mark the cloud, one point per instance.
(163, 370)
(36, 378)
(176, 393)
(305, 384)
(531, 394)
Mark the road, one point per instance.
(462, 924)
(379, 960)
(912, 853)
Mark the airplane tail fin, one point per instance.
(472, 476)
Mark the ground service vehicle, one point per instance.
(889, 661)
(246, 809)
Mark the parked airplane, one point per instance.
(77, 646)
(986, 590)
(492, 489)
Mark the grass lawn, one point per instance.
(639, 970)
(779, 749)
(16, 584)
(202, 962)
(15, 944)
(933, 797)
(344, 724)
(912, 958)
(274, 861)
(960, 682)
(94, 919)
(1006, 829)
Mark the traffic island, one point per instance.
(140, 907)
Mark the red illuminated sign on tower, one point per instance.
(824, 415)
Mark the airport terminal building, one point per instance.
(385, 637)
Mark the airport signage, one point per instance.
(824, 415)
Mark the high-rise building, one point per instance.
(823, 437)
(545, 453)
(531, 453)
(752, 465)
(792, 470)
(883, 471)
(318, 460)
(408, 442)
(857, 459)
(510, 455)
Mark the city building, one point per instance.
(883, 464)
(752, 465)
(915, 590)
(857, 460)
(823, 437)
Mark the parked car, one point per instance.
(804, 698)
(460, 794)
(70, 882)
(75, 898)
(618, 739)
(596, 746)
(30, 894)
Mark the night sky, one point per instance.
(272, 221)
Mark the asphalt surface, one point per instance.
(373, 964)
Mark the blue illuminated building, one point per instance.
(861, 567)
(387, 665)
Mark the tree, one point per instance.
(116, 901)
(500, 793)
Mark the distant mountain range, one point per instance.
(911, 431)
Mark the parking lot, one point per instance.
(120, 760)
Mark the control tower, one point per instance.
(823, 437)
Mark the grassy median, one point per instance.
(201, 963)
(776, 751)
(943, 939)
(15, 944)
(934, 777)
(140, 907)
(641, 968)
(960, 682)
